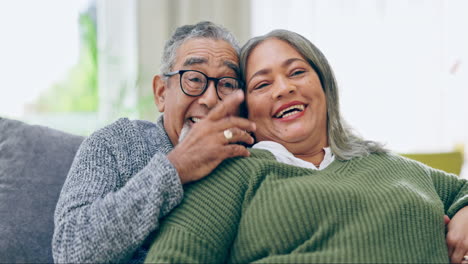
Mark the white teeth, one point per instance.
(290, 113)
(195, 119)
(299, 108)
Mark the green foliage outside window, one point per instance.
(78, 92)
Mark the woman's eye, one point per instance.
(260, 86)
(297, 72)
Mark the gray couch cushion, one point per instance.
(34, 162)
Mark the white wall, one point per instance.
(402, 66)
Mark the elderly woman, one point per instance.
(332, 197)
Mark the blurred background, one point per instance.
(402, 65)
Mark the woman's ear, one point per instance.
(159, 92)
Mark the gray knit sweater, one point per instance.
(119, 186)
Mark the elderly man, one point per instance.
(129, 174)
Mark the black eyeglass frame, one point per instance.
(208, 79)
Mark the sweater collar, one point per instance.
(284, 156)
(163, 142)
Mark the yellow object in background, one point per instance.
(447, 161)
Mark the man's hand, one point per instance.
(206, 145)
(457, 236)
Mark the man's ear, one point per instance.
(159, 92)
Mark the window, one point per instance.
(49, 63)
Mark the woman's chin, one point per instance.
(296, 133)
(285, 136)
(294, 137)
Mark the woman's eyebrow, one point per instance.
(260, 72)
(290, 61)
(285, 64)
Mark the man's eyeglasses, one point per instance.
(194, 83)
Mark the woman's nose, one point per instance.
(282, 88)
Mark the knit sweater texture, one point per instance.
(119, 185)
(383, 208)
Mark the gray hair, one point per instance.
(344, 143)
(204, 29)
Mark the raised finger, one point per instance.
(229, 106)
(236, 122)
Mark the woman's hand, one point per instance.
(457, 236)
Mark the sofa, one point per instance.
(34, 162)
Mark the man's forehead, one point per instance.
(213, 52)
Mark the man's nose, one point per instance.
(282, 87)
(209, 98)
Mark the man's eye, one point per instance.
(227, 84)
(195, 79)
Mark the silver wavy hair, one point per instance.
(344, 143)
(204, 29)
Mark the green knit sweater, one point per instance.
(380, 209)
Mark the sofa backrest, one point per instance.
(34, 162)
(451, 162)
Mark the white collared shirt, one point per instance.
(284, 156)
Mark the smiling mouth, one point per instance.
(294, 109)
